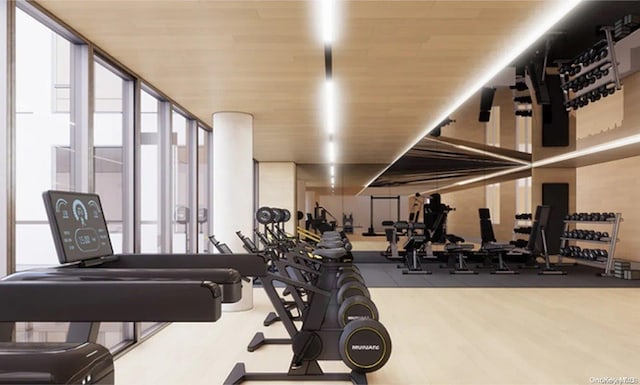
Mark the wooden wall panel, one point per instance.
(464, 222)
(605, 115)
(504, 230)
(613, 187)
(504, 99)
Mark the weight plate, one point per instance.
(350, 289)
(355, 308)
(264, 215)
(349, 269)
(365, 345)
(349, 277)
(286, 215)
(277, 215)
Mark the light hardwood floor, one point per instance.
(440, 336)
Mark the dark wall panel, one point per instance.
(555, 195)
(555, 120)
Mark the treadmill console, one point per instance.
(78, 225)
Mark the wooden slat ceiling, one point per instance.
(397, 64)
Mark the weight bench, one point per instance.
(489, 245)
(456, 248)
(411, 246)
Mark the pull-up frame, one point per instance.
(371, 231)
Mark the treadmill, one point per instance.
(86, 302)
(83, 245)
(92, 285)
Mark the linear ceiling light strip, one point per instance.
(328, 35)
(558, 10)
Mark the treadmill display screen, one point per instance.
(78, 225)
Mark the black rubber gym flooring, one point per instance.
(380, 272)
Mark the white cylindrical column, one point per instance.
(232, 204)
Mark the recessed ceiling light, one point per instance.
(330, 106)
(328, 21)
(331, 149)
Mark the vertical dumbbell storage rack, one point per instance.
(601, 76)
(611, 243)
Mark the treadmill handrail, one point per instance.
(248, 265)
(109, 301)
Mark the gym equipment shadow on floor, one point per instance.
(388, 275)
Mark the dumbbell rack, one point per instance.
(613, 239)
(610, 81)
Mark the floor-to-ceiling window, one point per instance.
(108, 170)
(203, 189)
(150, 237)
(43, 135)
(6, 113)
(66, 141)
(108, 154)
(148, 174)
(43, 150)
(180, 181)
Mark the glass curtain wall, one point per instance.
(179, 182)
(108, 154)
(108, 168)
(148, 174)
(50, 80)
(203, 190)
(43, 135)
(150, 241)
(43, 149)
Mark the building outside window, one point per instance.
(203, 190)
(150, 241)
(108, 168)
(180, 182)
(43, 150)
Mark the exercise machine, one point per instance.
(335, 324)
(417, 238)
